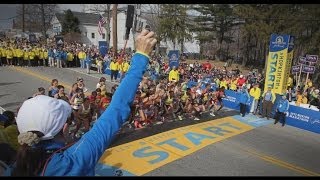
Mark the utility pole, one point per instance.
(108, 24)
(43, 21)
(114, 28)
(23, 17)
(137, 16)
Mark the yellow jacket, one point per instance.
(290, 82)
(174, 75)
(31, 55)
(124, 67)
(82, 55)
(19, 53)
(3, 53)
(12, 134)
(224, 84)
(255, 93)
(273, 98)
(304, 100)
(233, 85)
(45, 54)
(70, 56)
(3, 136)
(26, 55)
(114, 66)
(36, 51)
(9, 54)
(15, 52)
(41, 55)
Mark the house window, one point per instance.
(86, 34)
(103, 35)
(92, 35)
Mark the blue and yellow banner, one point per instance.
(277, 63)
(289, 60)
(103, 48)
(173, 58)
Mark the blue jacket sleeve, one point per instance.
(82, 157)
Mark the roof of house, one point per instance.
(84, 18)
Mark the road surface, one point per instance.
(226, 145)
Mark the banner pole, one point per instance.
(296, 77)
(300, 74)
(305, 89)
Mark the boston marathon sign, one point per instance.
(277, 63)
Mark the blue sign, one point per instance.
(232, 100)
(304, 118)
(103, 48)
(302, 60)
(308, 69)
(279, 42)
(298, 117)
(295, 69)
(312, 58)
(173, 58)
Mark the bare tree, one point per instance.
(35, 17)
(98, 9)
(151, 13)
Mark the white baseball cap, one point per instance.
(44, 114)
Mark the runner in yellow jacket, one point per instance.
(174, 74)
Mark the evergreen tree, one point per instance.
(216, 20)
(173, 24)
(70, 23)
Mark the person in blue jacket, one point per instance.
(282, 110)
(88, 62)
(244, 100)
(51, 57)
(59, 56)
(64, 58)
(41, 119)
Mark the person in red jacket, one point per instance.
(241, 81)
(206, 66)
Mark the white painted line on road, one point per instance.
(90, 75)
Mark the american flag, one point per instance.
(101, 22)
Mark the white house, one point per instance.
(89, 29)
(88, 26)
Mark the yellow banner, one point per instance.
(276, 71)
(288, 67)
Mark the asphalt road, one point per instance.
(269, 150)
